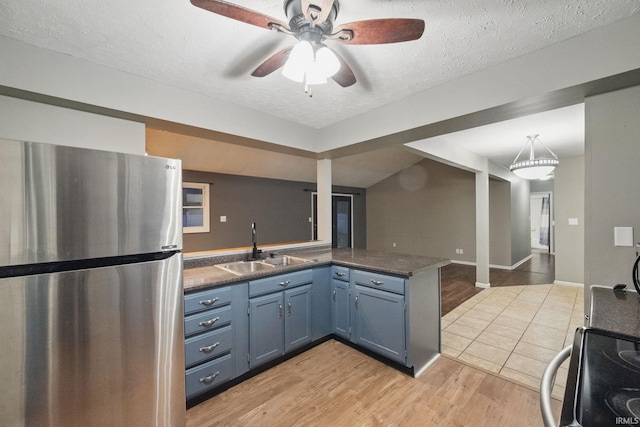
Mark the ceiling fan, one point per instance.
(311, 22)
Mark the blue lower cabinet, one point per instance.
(340, 318)
(297, 321)
(279, 321)
(266, 332)
(216, 339)
(379, 322)
(209, 375)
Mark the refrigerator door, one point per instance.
(96, 347)
(61, 203)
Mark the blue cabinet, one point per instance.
(369, 310)
(340, 300)
(379, 316)
(266, 333)
(297, 322)
(279, 320)
(379, 322)
(216, 337)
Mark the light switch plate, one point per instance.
(623, 236)
(223, 218)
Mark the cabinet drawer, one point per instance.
(208, 375)
(206, 346)
(378, 281)
(340, 273)
(206, 321)
(278, 283)
(206, 300)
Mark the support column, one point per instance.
(482, 229)
(323, 174)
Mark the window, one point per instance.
(195, 207)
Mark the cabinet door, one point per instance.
(266, 328)
(298, 318)
(340, 320)
(380, 322)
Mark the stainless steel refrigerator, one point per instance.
(91, 311)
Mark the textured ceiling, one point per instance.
(184, 46)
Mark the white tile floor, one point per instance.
(515, 331)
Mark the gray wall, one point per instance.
(427, 209)
(569, 203)
(499, 223)
(520, 223)
(612, 190)
(280, 209)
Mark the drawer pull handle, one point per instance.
(209, 302)
(340, 274)
(209, 348)
(285, 283)
(289, 308)
(280, 311)
(209, 322)
(377, 282)
(209, 379)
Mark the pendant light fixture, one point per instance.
(534, 167)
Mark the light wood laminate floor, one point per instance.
(335, 385)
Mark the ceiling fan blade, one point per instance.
(272, 63)
(238, 13)
(316, 11)
(344, 77)
(380, 31)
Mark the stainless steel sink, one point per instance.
(285, 260)
(244, 267)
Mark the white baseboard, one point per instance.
(574, 284)
(457, 261)
(500, 267)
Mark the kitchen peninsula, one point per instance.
(245, 316)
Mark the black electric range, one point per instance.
(604, 380)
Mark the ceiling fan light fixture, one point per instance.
(534, 168)
(327, 61)
(315, 75)
(300, 58)
(311, 66)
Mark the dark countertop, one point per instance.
(385, 262)
(382, 262)
(616, 311)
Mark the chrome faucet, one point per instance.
(255, 252)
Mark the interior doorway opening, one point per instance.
(541, 216)
(341, 219)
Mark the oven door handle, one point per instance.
(546, 385)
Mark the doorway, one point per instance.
(541, 222)
(341, 220)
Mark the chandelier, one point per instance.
(534, 167)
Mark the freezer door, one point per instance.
(98, 347)
(62, 203)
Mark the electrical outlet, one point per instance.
(394, 244)
(461, 251)
(223, 218)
